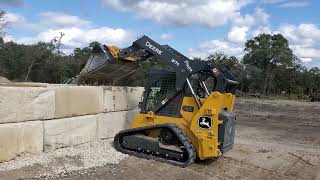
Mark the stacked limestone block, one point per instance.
(36, 119)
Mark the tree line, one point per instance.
(268, 66)
(39, 62)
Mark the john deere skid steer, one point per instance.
(185, 113)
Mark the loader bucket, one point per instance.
(102, 68)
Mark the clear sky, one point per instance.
(197, 28)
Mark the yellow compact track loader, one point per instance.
(185, 113)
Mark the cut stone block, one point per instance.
(127, 98)
(108, 99)
(122, 98)
(19, 104)
(112, 122)
(78, 100)
(72, 131)
(17, 138)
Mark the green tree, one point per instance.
(231, 63)
(290, 80)
(314, 77)
(252, 79)
(268, 52)
(3, 24)
(56, 43)
(37, 54)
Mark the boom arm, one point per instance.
(108, 63)
(145, 47)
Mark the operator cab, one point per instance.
(161, 90)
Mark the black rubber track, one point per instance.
(191, 154)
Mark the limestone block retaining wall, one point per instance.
(121, 98)
(36, 119)
(17, 138)
(18, 104)
(78, 100)
(108, 124)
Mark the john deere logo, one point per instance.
(205, 122)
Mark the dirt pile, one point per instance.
(4, 80)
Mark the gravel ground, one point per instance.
(63, 161)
